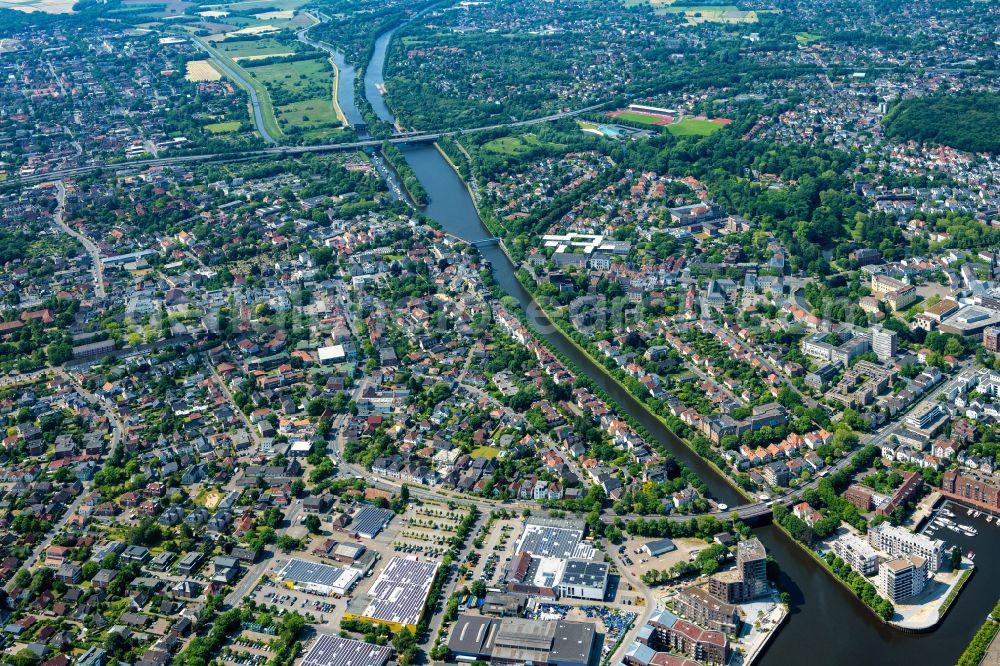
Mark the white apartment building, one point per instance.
(857, 553)
(899, 541)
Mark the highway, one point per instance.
(286, 151)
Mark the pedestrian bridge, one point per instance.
(486, 242)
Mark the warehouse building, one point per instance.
(318, 578)
(337, 651)
(520, 641)
(550, 537)
(398, 596)
(659, 547)
(370, 521)
(583, 579)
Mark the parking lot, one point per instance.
(249, 648)
(426, 529)
(328, 611)
(641, 562)
(490, 563)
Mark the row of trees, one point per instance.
(861, 587)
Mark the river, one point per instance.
(828, 626)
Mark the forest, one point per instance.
(966, 121)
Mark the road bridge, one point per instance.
(279, 152)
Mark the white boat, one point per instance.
(989, 519)
(969, 512)
(975, 514)
(947, 512)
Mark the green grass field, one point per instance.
(308, 79)
(250, 4)
(485, 452)
(709, 13)
(637, 118)
(251, 47)
(223, 128)
(515, 146)
(807, 37)
(266, 108)
(693, 127)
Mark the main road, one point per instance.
(89, 245)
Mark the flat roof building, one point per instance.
(316, 577)
(554, 538)
(399, 594)
(857, 553)
(521, 641)
(583, 579)
(337, 651)
(370, 521)
(901, 541)
(902, 577)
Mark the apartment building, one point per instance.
(900, 541)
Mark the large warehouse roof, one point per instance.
(561, 542)
(337, 651)
(400, 591)
(370, 521)
(337, 579)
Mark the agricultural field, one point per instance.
(516, 146)
(201, 70)
(695, 127)
(47, 6)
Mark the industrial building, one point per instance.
(398, 596)
(520, 641)
(550, 537)
(552, 560)
(370, 521)
(319, 578)
(337, 651)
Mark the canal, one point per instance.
(828, 626)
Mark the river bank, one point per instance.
(821, 615)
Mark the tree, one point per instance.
(312, 523)
(956, 557)
(287, 544)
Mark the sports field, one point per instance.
(695, 127)
(644, 118)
